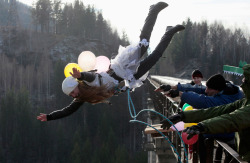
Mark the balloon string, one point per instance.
(134, 115)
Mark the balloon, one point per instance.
(189, 124)
(190, 141)
(189, 108)
(87, 61)
(184, 106)
(179, 126)
(102, 64)
(68, 69)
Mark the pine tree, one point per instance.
(41, 14)
(77, 152)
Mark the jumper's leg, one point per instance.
(150, 22)
(151, 60)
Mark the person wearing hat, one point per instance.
(195, 85)
(218, 92)
(127, 70)
(196, 77)
(233, 117)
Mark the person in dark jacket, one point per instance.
(127, 70)
(218, 92)
(233, 117)
(195, 85)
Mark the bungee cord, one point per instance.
(134, 116)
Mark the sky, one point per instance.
(129, 15)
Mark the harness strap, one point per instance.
(113, 75)
(100, 79)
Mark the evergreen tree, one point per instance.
(124, 40)
(3, 12)
(41, 14)
(62, 143)
(77, 152)
(78, 26)
(1, 155)
(89, 22)
(87, 152)
(56, 82)
(16, 149)
(100, 27)
(56, 15)
(140, 157)
(120, 155)
(65, 23)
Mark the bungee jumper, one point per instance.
(127, 70)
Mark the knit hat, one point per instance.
(197, 73)
(216, 82)
(69, 84)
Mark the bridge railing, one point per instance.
(168, 106)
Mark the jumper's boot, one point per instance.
(167, 37)
(151, 60)
(151, 19)
(150, 22)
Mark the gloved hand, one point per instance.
(173, 93)
(174, 119)
(163, 88)
(193, 130)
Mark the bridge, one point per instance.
(159, 149)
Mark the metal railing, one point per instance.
(168, 106)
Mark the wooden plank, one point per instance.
(231, 151)
(149, 130)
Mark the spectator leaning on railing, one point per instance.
(195, 85)
(218, 92)
(233, 117)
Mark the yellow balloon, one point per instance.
(189, 108)
(68, 68)
(189, 124)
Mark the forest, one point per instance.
(207, 47)
(35, 45)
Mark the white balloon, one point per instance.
(87, 60)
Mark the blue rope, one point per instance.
(162, 135)
(130, 102)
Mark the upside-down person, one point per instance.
(127, 67)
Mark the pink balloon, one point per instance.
(190, 141)
(102, 64)
(179, 126)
